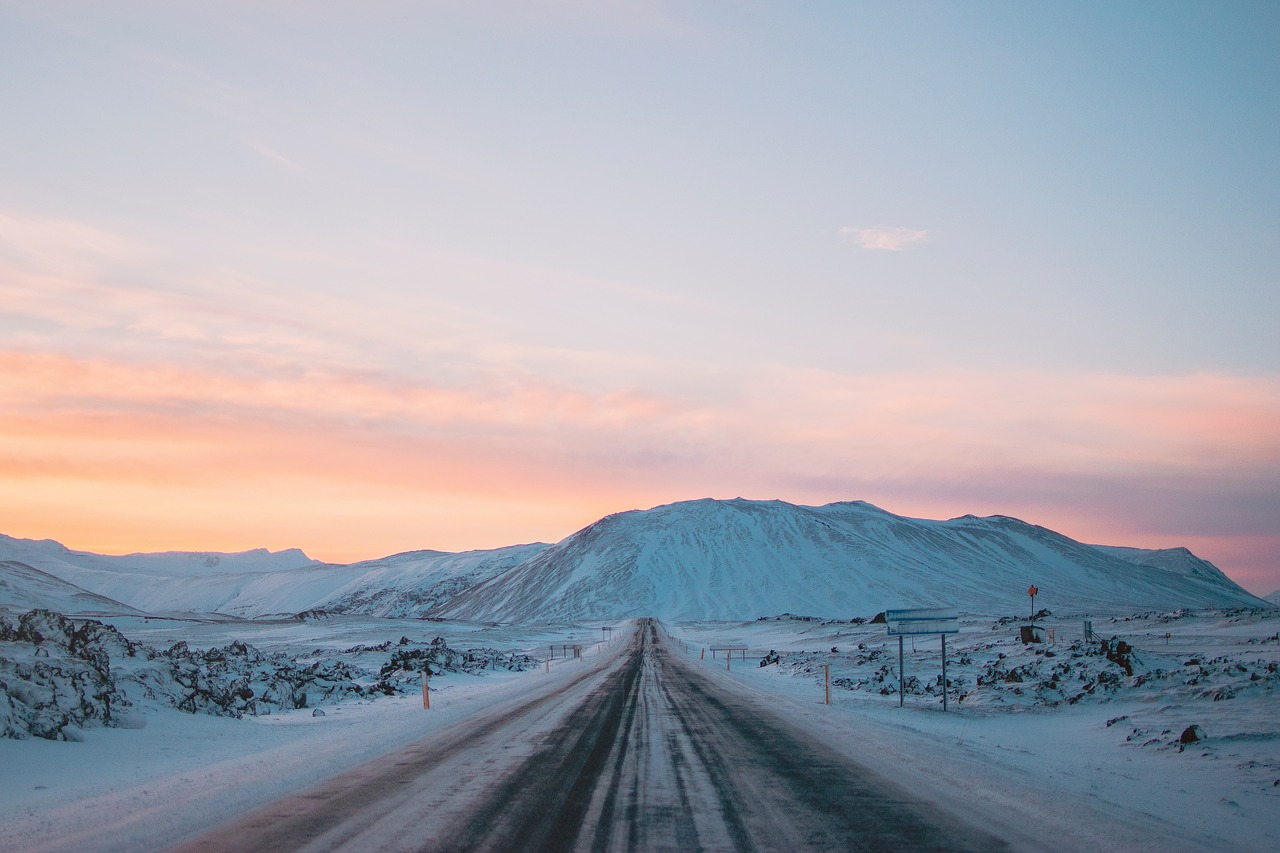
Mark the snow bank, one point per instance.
(1097, 754)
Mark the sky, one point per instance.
(368, 277)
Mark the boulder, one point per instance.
(1192, 734)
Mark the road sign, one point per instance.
(925, 620)
(898, 627)
(923, 613)
(922, 620)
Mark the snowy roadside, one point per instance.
(1107, 771)
(168, 773)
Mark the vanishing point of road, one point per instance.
(640, 753)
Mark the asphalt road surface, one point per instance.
(641, 752)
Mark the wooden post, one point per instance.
(426, 693)
(728, 659)
(548, 662)
(827, 669)
(704, 653)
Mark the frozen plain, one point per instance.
(1042, 775)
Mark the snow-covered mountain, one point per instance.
(742, 559)
(260, 583)
(693, 560)
(23, 587)
(63, 561)
(1274, 598)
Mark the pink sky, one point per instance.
(119, 455)
(456, 275)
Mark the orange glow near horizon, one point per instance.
(111, 456)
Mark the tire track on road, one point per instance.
(654, 755)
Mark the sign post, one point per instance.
(1031, 591)
(944, 672)
(929, 620)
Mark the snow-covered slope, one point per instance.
(742, 559)
(1274, 598)
(246, 585)
(25, 588)
(411, 584)
(1177, 560)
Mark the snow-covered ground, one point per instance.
(165, 773)
(1107, 771)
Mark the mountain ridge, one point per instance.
(699, 559)
(740, 559)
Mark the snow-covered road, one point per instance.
(639, 752)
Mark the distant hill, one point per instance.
(1274, 598)
(694, 560)
(741, 559)
(24, 587)
(262, 583)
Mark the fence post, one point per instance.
(426, 693)
(827, 668)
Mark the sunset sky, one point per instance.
(368, 277)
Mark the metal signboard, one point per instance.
(923, 613)
(923, 626)
(922, 620)
(925, 620)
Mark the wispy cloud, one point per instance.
(886, 239)
(272, 154)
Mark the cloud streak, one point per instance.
(881, 238)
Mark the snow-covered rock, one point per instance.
(59, 674)
(55, 674)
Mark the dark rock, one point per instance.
(1192, 734)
